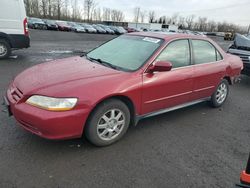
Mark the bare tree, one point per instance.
(58, 7)
(190, 21)
(151, 16)
(106, 15)
(97, 15)
(117, 15)
(142, 16)
(174, 18)
(76, 11)
(211, 26)
(44, 8)
(89, 6)
(202, 21)
(181, 21)
(28, 6)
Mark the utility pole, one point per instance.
(249, 29)
(137, 16)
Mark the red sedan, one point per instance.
(63, 26)
(115, 85)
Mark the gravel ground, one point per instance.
(195, 147)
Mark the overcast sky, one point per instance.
(236, 11)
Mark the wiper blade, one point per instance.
(103, 62)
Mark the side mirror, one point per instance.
(160, 66)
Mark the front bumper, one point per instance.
(47, 124)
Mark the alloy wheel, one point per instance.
(111, 124)
(221, 93)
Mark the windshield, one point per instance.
(126, 52)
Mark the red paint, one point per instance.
(92, 83)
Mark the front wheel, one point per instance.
(108, 123)
(220, 95)
(5, 49)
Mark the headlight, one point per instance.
(52, 104)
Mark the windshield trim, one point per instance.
(129, 70)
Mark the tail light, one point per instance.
(25, 27)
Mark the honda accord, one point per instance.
(131, 77)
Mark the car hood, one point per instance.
(61, 71)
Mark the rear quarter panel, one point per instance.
(236, 65)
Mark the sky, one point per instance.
(235, 11)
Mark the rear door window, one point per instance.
(204, 52)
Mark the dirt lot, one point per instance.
(192, 147)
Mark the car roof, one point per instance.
(167, 35)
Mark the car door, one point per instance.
(167, 89)
(208, 69)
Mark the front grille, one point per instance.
(16, 94)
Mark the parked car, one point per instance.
(77, 27)
(63, 26)
(99, 29)
(107, 29)
(51, 24)
(122, 30)
(117, 30)
(102, 93)
(131, 30)
(89, 28)
(13, 27)
(36, 23)
(241, 48)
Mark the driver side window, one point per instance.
(177, 52)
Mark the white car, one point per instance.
(13, 27)
(79, 29)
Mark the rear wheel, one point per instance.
(220, 95)
(5, 49)
(108, 123)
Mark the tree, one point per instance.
(106, 15)
(190, 21)
(44, 8)
(142, 16)
(181, 22)
(28, 6)
(174, 18)
(97, 15)
(117, 15)
(211, 26)
(202, 24)
(89, 6)
(160, 20)
(151, 16)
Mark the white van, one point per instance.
(13, 27)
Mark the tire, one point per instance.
(107, 123)
(220, 95)
(5, 49)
